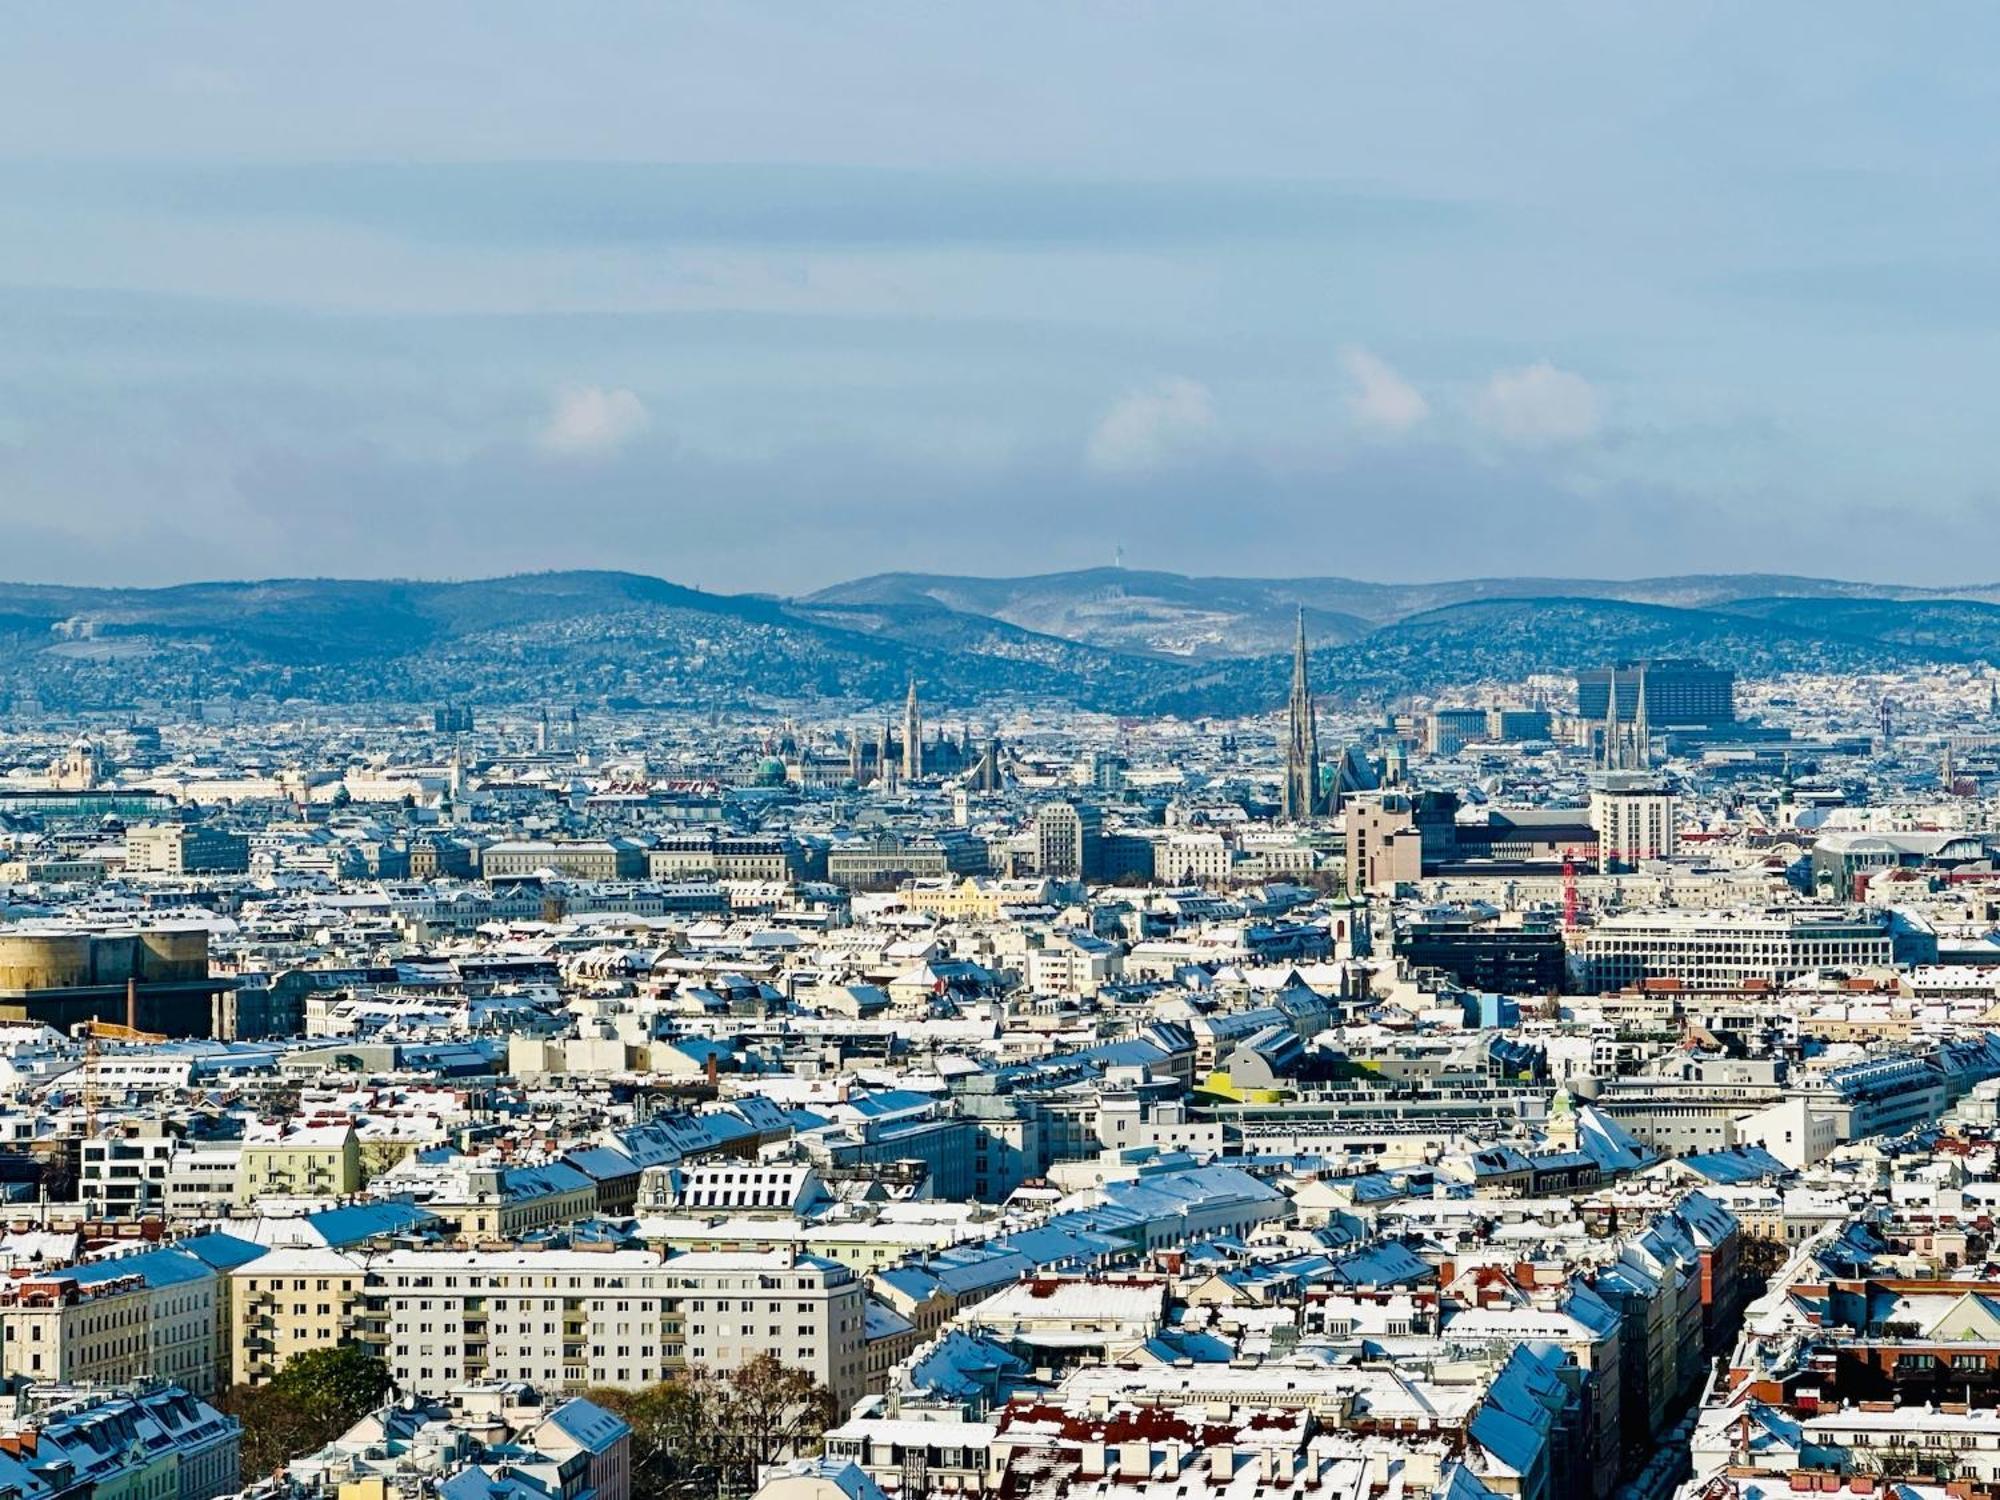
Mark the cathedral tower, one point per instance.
(913, 736)
(1301, 793)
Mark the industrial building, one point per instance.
(1677, 692)
(62, 976)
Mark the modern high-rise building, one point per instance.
(1451, 729)
(1677, 692)
(1513, 725)
(1068, 840)
(185, 849)
(1301, 798)
(1633, 813)
(1394, 837)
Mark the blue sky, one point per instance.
(763, 296)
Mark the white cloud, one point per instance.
(1381, 400)
(1151, 427)
(590, 421)
(1537, 406)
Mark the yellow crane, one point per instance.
(95, 1031)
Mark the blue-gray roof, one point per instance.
(224, 1252)
(356, 1222)
(590, 1424)
(1738, 1165)
(546, 1178)
(1391, 1263)
(159, 1267)
(601, 1163)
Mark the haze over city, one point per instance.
(761, 297)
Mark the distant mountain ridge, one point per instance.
(1107, 639)
(1175, 615)
(608, 636)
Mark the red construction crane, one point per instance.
(1569, 890)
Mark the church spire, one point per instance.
(1301, 798)
(913, 729)
(1642, 729)
(1611, 746)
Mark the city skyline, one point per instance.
(1065, 751)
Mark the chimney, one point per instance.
(132, 1002)
(1221, 1463)
(1135, 1460)
(1092, 1454)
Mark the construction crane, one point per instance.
(93, 1032)
(1569, 890)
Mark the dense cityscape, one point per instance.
(756, 750)
(1576, 1088)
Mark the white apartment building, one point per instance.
(1969, 1441)
(786, 1188)
(1074, 963)
(1193, 859)
(1728, 950)
(122, 1173)
(201, 1180)
(579, 1318)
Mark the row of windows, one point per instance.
(500, 1281)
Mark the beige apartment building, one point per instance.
(579, 859)
(298, 1161)
(289, 1302)
(185, 849)
(56, 1329)
(504, 1203)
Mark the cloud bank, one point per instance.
(590, 422)
(1538, 406)
(1148, 429)
(1381, 400)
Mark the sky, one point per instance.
(762, 297)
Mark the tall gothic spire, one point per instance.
(1642, 731)
(913, 730)
(1301, 792)
(1613, 757)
